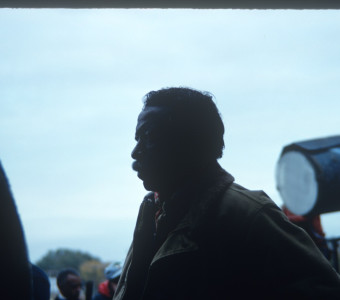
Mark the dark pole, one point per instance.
(88, 290)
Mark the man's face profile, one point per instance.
(153, 154)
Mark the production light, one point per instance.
(308, 176)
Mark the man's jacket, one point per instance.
(230, 243)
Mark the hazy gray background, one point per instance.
(71, 87)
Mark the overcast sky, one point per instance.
(71, 88)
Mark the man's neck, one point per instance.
(193, 177)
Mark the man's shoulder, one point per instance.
(241, 202)
(240, 193)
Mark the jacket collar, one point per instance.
(201, 196)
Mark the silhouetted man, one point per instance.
(199, 235)
(69, 284)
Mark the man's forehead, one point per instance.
(152, 114)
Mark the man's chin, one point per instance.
(148, 186)
(148, 183)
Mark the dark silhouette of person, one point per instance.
(41, 284)
(16, 277)
(19, 278)
(199, 235)
(69, 284)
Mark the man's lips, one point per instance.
(136, 166)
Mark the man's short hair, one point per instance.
(195, 116)
(62, 275)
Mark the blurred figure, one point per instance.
(69, 284)
(312, 225)
(107, 289)
(41, 284)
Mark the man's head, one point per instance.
(179, 130)
(69, 284)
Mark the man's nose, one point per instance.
(135, 152)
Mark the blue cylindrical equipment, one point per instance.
(308, 176)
